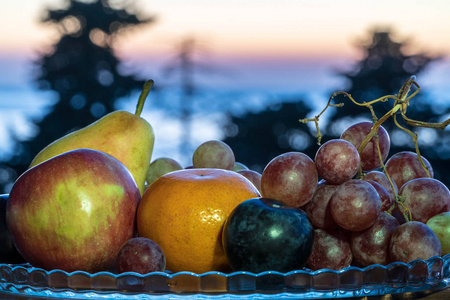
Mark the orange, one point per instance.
(184, 212)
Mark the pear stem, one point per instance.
(145, 91)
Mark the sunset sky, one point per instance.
(273, 45)
(277, 35)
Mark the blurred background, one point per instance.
(240, 71)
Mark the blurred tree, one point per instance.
(383, 69)
(256, 138)
(187, 66)
(83, 71)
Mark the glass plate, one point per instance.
(416, 276)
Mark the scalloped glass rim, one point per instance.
(397, 277)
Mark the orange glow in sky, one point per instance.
(251, 27)
(293, 27)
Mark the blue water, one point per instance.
(22, 101)
(18, 106)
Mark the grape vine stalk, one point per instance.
(399, 108)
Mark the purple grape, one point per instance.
(414, 240)
(405, 166)
(425, 198)
(382, 179)
(355, 205)
(371, 246)
(318, 209)
(141, 255)
(386, 200)
(370, 159)
(291, 178)
(330, 251)
(213, 154)
(337, 161)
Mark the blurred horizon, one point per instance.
(257, 52)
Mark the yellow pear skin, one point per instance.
(123, 135)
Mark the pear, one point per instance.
(123, 135)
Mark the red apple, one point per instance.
(73, 212)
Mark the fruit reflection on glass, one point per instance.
(73, 211)
(184, 212)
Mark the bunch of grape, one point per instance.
(365, 210)
(366, 207)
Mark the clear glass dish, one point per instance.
(416, 276)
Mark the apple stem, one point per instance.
(145, 91)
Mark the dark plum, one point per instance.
(264, 234)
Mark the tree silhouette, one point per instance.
(186, 66)
(382, 71)
(83, 71)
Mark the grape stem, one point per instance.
(400, 106)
